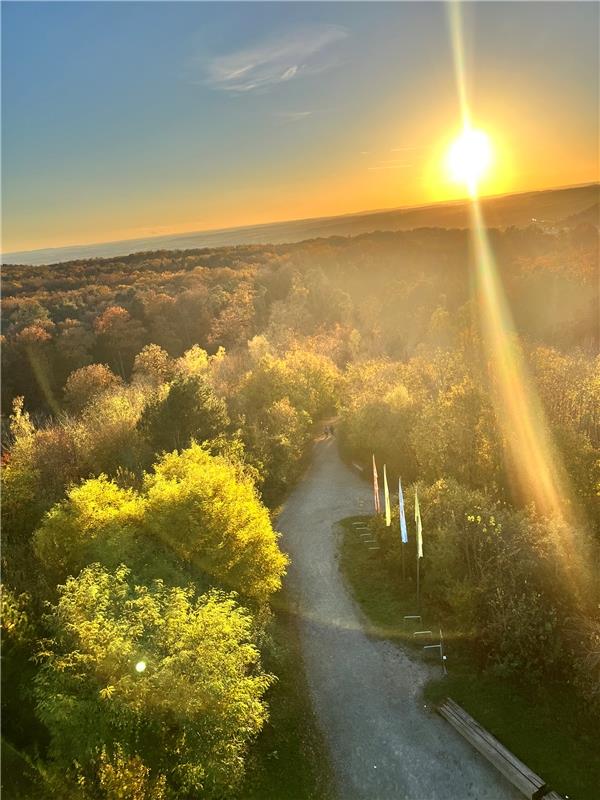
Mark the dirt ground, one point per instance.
(384, 743)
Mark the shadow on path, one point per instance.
(366, 692)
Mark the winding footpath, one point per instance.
(384, 744)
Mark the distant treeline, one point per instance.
(389, 288)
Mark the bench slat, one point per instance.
(494, 751)
(487, 736)
(516, 778)
(502, 765)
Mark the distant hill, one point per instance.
(552, 205)
(589, 216)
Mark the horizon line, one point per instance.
(365, 212)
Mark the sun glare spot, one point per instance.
(469, 158)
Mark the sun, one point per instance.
(469, 158)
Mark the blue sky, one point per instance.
(123, 119)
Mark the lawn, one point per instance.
(289, 760)
(544, 726)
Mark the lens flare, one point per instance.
(469, 158)
(534, 459)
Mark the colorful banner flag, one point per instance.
(386, 494)
(403, 530)
(376, 489)
(419, 527)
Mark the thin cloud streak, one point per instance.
(292, 116)
(276, 61)
(390, 166)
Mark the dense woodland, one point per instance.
(156, 409)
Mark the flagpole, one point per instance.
(403, 570)
(418, 585)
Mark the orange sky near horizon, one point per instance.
(330, 122)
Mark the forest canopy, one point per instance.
(158, 407)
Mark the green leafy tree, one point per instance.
(167, 677)
(19, 643)
(98, 521)
(277, 436)
(212, 518)
(189, 409)
(123, 777)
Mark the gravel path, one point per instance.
(384, 744)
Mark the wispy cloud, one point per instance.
(292, 116)
(400, 162)
(303, 52)
(389, 164)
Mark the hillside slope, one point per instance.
(503, 211)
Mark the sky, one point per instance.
(124, 120)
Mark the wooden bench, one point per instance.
(526, 781)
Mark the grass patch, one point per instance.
(381, 601)
(543, 726)
(289, 760)
(20, 778)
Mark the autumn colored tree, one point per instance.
(153, 365)
(88, 382)
(120, 337)
(234, 323)
(37, 382)
(212, 518)
(193, 363)
(74, 345)
(169, 678)
(97, 522)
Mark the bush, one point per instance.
(502, 577)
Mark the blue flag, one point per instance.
(403, 531)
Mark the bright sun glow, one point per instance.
(140, 666)
(469, 158)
